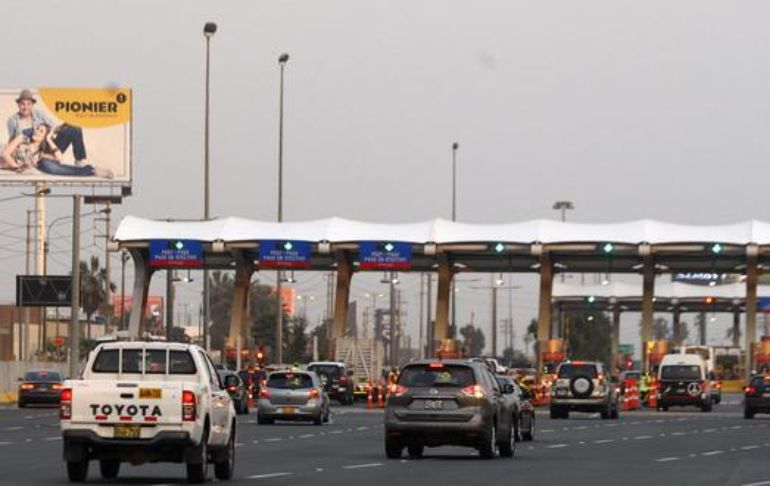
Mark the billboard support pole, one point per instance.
(27, 269)
(75, 303)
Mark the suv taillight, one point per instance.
(312, 394)
(749, 390)
(473, 391)
(264, 393)
(189, 412)
(65, 407)
(398, 390)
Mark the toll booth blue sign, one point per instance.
(176, 253)
(385, 255)
(763, 304)
(284, 254)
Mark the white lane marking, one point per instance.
(712, 453)
(761, 483)
(362, 466)
(678, 433)
(636, 422)
(643, 437)
(255, 442)
(270, 475)
(604, 441)
(239, 444)
(58, 437)
(707, 431)
(273, 439)
(14, 428)
(749, 447)
(667, 459)
(545, 431)
(335, 432)
(582, 427)
(27, 440)
(5, 443)
(319, 469)
(251, 421)
(362, 428)
(557, 446)
(306, 436)
(659, 421)
(736, 427)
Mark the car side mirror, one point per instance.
(507, 389)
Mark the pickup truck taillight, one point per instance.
(189, 412)
(65, 407)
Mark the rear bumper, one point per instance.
(669, 400)
(581, 405)
(758, 404)
(39, 397)
(165, 446)
(465, 431)
(279, 412)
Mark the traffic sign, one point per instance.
(385, 255)
(43, 290)
(176, 253)
(284, 254)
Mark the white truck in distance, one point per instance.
(140, 402)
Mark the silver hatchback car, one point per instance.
(292, 395)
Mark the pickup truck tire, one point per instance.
(197, 468)
(77, 471)
(261, 420)
(225, 466)
(109, 469)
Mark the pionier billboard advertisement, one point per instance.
(65, 135)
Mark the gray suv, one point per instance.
(451, 402)
(583, 387)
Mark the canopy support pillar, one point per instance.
(441, 326)
(544, 311)
(142, 277)
(737, 327)
(677, 324)
(615, 345)
(341, 299)
(239, 312)
(752, 256)
(648, 309)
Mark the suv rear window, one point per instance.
(289, 381)
(180, 362)
(428, 376)
(680, 372)
(572, 370)
(42, 376)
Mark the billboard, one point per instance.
(65, 135)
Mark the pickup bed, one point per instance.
(148, 402)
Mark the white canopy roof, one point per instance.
(337, 230)
(664, 290)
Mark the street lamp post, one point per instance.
(209, 29)
(563, 206)
(282, 60)
(455, 147)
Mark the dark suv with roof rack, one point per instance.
(451, 402)
(583, 386)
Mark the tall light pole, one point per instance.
(563, 206)
(455, 146)
(209, 29)
(282, 60)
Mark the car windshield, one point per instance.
(430, 376)
(289, 381)
(572, 370)
(330, 370)
(680, 372)
(42, 376)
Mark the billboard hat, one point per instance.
(26, 95)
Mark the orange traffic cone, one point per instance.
(652, 396)
(380, 401)
(369, 398)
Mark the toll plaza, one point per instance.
(548, 248)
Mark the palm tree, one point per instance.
(93, 289)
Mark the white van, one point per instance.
(683, 380)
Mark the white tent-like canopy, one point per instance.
(663, 290)
(440, 231)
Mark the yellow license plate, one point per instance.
(154, 393)
(125, 431)
(289, 409)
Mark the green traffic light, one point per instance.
(389, 247)
(591, 299)
(288, 246)
(608, 248)
(179, 245)
(499, 248)
(717, 248)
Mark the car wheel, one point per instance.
(77, 471)
(507, 446)
(488, 446)
(109, 469)
(326, 415)
(606, 412)
(706, 407)
(529, 435)
(319, 420)
(614, 413)
(748, 413)
(224, 468)
(198, 470)
(262, 420)
(245, 407)
(393, 448)
(555, 413)
(415, 450)
(22, 404)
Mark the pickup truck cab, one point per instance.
(141, 402)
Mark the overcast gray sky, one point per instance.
(651, 109)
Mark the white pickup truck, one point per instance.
(140, 402)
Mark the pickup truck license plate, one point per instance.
(288, 409)
(434, 404)
(153, 393)
(125, 431)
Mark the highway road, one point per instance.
(683, 446)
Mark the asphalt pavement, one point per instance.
(682, 446)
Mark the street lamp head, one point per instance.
(455, 146)
(283, 58)
(209, 29)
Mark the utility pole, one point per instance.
(107, 264)
(421, 324)
(494, 318)
(170, 304)
(28, 269)
(123, 259)
(74, 331)
(393, 324)
(428, 316)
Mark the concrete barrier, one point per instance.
(10, 371)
